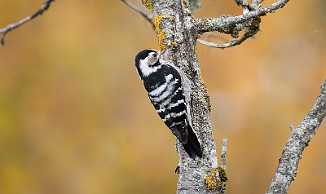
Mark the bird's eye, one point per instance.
(154, 55)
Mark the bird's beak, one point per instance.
(164, 55)
(163, 52)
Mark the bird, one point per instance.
(168, 89)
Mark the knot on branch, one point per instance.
(252, 26)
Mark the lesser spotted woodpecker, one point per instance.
(169, 90)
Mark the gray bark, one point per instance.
(174, 26)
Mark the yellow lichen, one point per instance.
(174, 44)
(211, 180)
(223, 176)
(160, 34)
(148, 4)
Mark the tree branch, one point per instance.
(148, 17)
(224, 153)
(226, 24)
(222, 169)
(13, 26)
(298, 141)
(248, 21)
(232, 43)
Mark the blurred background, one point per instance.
(75, 118)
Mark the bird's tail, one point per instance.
(192, 147)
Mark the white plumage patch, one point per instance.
(165, 102)
(178, 114)
(146, 69)
(177, 103)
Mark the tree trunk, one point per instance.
(175, 32)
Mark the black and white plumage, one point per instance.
(168, 89)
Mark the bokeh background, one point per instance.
(75, 118)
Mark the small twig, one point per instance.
(10, 27)
(148, 17)
(224, 153)
(233, 42)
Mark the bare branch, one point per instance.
(10, 27)
(248, 21)
(223, 176)
(148, 17)
(226, 24)
(224, 153)
(232, 43)
(298, 141)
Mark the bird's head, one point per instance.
(147, 62)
